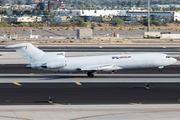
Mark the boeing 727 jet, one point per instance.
(56, 61)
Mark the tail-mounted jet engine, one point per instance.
(54, 64)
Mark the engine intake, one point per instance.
(33, 66)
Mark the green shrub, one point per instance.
(143, 28)
(80, 23)
(33, 24)
(156, 23)
(152, 22)
(93, 26)
(117, 22)
(101, 24)
(4, 23)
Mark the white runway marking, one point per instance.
(58, 78)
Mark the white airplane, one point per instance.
(56, 61)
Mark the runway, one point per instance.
(99, 78)
(123, 87)
(104, 48)
(79, 89)
(89, 93)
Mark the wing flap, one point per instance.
(100, 68)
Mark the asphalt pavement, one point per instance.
(101, 48)
(103, 93)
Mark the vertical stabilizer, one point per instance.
(28, 51)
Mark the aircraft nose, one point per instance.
(174, 60)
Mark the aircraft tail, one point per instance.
(28, 51)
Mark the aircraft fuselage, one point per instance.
(121, 61)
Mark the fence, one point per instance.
(72, 36)
(121, 35)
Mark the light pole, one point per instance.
(111, 5)
(148, 16)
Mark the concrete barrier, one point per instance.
(84, 33)
(170, 36)
(152, 35)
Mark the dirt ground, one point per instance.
(95, 40)
(171, 26)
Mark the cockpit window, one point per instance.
(168, 56)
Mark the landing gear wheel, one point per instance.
(160, 70)
(91, 75)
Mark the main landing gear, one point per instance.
(90, 74)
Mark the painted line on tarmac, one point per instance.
(78, 83)
(17, 84)
(14, 118)
(164, 46)
(102, 115)
(135, 103)
(57, 104)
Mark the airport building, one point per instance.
(119, 13)
(58, 4)
(134, 14)
(176, 16)
(166, 6)
(87, 15)
(90, 12)
(29, 19)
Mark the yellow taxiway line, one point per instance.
(17, 84)
(78, 83)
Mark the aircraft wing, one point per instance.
(100, 68)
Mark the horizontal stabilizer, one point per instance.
(15, 46)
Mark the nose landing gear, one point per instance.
(160, 69)
(90, 74)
